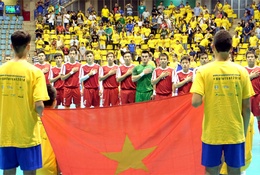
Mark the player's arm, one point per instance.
(85, 77)
(254, 74)
(182, 83)
(39, 106)
(122, 77)
(246, 113)
(159, 78)
(52, 80)
(135, 78)
(110, 73)
(196, 100)
(66, 76)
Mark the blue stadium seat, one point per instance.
(7, 18)
(13, 22)
(2, 47)
(11, 32)
(5, 27)
(3, 38)
(1, 18)
(14, 18)
(8, 52)
(12, 26)
(20, 18)
(6, 22)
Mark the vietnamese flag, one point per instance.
(156, 137)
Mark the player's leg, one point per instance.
(123, 96)
(76, 97)
(95, 98)
(255, 108)
(234, 157)
(67, 97)
(114, 96)
(86, 98)
(131, 96)
(106, 100)
(211, 158)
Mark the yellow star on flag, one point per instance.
(129, 157)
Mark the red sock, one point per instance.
(259, 125)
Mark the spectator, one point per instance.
(146, 14)
(66, 19)
(59, 19)
(197, 10)
(74, 41)
(154, 11)
(105, 14)
(39, 7)
(141, 10)
(17, 9)
(160, 7)
(247, 32)
(129, 9)
(38, 32)
(59, 42)
(115, 8)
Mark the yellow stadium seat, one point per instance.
(53, 63)
(136, 18)
(103, 63)
(239, 57)
(245, 45)
(83, 62)
(135, 63)
(53, 36)
(210, 57)
(238, 62)
(109, 47)
(144, 47)
(157, 36)
(242, 51)
(67, 37)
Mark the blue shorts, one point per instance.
(27, 158)
(234, 155)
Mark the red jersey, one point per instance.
(73, 80)
(127, 83)
(92, 82)
(256, 81)
(110, 82)
(180, 76)
(47, 74)
(55, 71)
(164, 86)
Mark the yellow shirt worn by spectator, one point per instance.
(235, 41)
(239, 30)
(198, 37)
(138, 40)
(116, 38)
(204, 42)
(105, 12)
(225, 23)
(218, 22)
(94, 44)
(253, 41)
(248, 147)
(47, 49)
(167, 42)
(97, 54)
(39, 43)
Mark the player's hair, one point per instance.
(89, 52)
(57, 55)
(251, 52)
(73, 49)
(40, 51)
(110, 53)
(185, 57)
(20, 39)
(145, 51)
(52, 94)
(164, 55)
(222, 41)
(127, 52)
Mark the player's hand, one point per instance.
(100, 93)
(93, 72)
(45, 70)
(75, 69)
(112, 72)
(188, 79)
(152, 97)
(81, 92)
(129, 71)
(164, 74)
(255, 74)
(147, 71)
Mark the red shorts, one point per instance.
(160, 96)
(71, 94)
(127, 96)
(59, 97)
(255, 105)
(91, 97)
(110, 97)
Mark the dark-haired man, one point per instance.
(23, 86)
(70, 76)
(88, 76)
(226, 90)
(142, 75)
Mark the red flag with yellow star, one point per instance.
(156, 137)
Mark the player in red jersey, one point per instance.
(183, 78)
(123, 76)
(44, 66)
(55, 78)
(162, 79)
(88, 76)
(70, 76)
(107, 75)
(254, 74)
